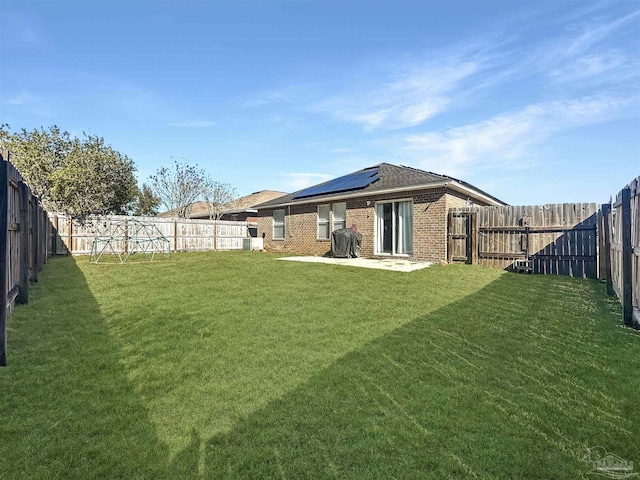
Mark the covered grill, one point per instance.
(346, 243)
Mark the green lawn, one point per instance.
(236, 365)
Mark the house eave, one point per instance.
(472, 193)
(345, 196)
(241, 210)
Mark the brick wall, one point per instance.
(429, 222)
(430, 209)
(457, 200)
(300, 231)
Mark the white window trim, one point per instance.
(318, 237)
(375, 229)
(284, 222)
(333, 218)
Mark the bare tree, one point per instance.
(219, 197)
(179, 186)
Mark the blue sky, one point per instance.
(535, 102)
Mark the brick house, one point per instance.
(400, 212)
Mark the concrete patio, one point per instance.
(392, 264)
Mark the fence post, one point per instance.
(627, 252)
(4, 232)
(54, 235)
(606, 250)
(600, 244)
(474, 238)
(175, 236)
(45, 244)
(126, 236)
(23, 285)
(35, 238)
(449, 236)
(70, 231)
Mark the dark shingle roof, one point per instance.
(392, 177)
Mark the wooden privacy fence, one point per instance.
(571, 239)
(23, 243)
(68, 236)
(555, 239)
(621, 250)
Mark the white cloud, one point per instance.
(298, 181)
(505, 139)
(584, 57)
(193, 124)
(591, 66)
(591, 36)
(411, 90)
(415, 93)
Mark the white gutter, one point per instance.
(446, 183)
(242, 210)
(474, 194)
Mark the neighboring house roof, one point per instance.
(390, 179)
(248, 202)
(240, 205)
(196, 208)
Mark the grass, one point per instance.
(235, 365)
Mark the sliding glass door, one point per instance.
(394, 228)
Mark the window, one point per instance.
(394, 228)
(323, 222)
(278, 224)
(339, 216)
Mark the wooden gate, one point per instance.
(556, 239)
(462, 237)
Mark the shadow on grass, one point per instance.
(515, 381)
(67, 408)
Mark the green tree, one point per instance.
(79, 177)
(147, 203)
(37, 155)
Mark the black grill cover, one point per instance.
(345, 243)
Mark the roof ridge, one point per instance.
(462, 182)
(426, 171)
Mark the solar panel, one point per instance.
(353, 181)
